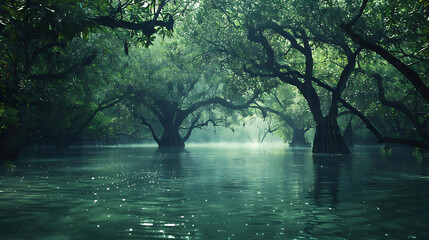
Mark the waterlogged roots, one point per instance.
(171, 139)
(298, 139)
(328, 138)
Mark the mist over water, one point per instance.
(209, 191)
(235, 119)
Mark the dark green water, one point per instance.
(232, 192)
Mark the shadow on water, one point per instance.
(327, 178)
(326, 175)
(44, 160)
(322, 217)
(170, 160)
(171, 150)
(214, 193)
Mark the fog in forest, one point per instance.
(229, 89)
(325, 75)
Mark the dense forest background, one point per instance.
(329, 73)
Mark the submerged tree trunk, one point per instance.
(298, 138)
(171, 138)
(328, 138)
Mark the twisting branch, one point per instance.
(406, 70)
(344, 77)
(270, 129)
(102, 106)
(255, 35)
(413, 118)
(276, 97)
(283, 116)
(158, 11)
(292, 39)
(352, 22)
(368, 123)
(152, 131)
(182, 114)
(290, 77)
(195, 125)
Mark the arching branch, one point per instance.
(413, 118)
(256, 35)
(216, 100)
(270, 129)
(368, 123)
(108, 103)
(151, 129)
(283, 116)
(407, 71)
(344, 77)
(352, 22)
(195, 125)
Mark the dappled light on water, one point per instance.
(214, 192)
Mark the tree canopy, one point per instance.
(75, 70)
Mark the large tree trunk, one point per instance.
(171, 138)
(328, 138)
(298, 138)
(326, 181)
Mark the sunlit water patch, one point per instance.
(214, 192)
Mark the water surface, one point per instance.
(214, 192)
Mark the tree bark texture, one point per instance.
(328, 137)
(298, 138)
(171, 138)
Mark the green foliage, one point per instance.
(45, 46)
(399, 26)
(8, 117)
(61, 61)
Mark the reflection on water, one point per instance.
(234, 192)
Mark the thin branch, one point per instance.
(421, 129)
(369, 125)
(352, 22)
(152, 131)
(102, 106)
(200, 125)
(283, 116)
(216, 100)
(407, 71)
